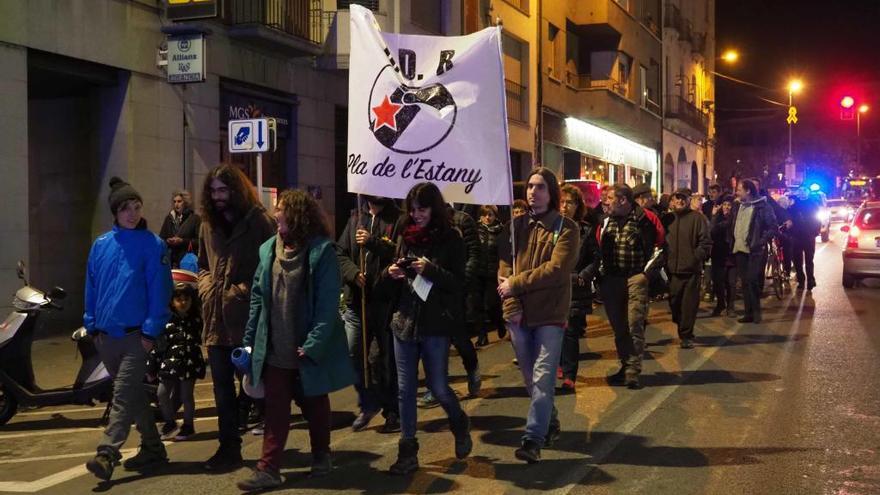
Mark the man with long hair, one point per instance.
(233, 228)
(535, 287)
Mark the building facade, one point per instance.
(689, 94)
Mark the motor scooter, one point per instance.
(18, 386)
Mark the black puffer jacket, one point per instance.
(476, 257)
(584, 272)
(379, 249)
(489, 240)
(177, 354)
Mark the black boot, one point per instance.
(529, 452)
(407, 457)
(461, 429)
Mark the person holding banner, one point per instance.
(535, 285)
(426, 283)
(369, 234)
(295, 333)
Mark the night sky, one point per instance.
(834, 46)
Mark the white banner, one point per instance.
(427, 109)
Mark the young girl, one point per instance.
(177, 358)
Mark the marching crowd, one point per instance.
(413, 282)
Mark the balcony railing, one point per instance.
(582, 82)
(672, 17)
(652, 106)
(681, 109)
(516, 99)
(698, 45)
(303, 19)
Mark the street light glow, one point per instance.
(847, 102)
(795, 85)
(730, 56)
(863, 108)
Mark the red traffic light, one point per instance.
(847, 102)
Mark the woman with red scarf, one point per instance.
(426, 284)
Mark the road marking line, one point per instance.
(636, 419)
(65, 431)
(84, 409)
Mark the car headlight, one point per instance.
(823, 215)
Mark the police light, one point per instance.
(815, 187)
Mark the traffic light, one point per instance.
(847, 108)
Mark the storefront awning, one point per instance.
(607, 146)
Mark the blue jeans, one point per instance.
(434, 353)
(537, 350)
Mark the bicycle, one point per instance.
(773, 270)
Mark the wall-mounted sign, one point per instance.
(186, 58)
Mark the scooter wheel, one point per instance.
(8, 406)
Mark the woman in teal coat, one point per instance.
(298, 342)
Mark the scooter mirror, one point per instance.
(57, 293)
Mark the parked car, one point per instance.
(861, 253)
(839, 210)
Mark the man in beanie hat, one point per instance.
(128, 287)
(689, 247)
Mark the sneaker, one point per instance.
(322, 465)
(428, 401)
(731, 313)
(224, 460)
(101, 466)
(260, 480)
(392, 424)
(568, 385)
(258, 430)
(746, 319)
(184, 432)
(529, 452)
(146, 459)
(482, 341)
(168, 430)
(515, 362)
(687, 344)
(363, 420)
(631, 379)
(475, 383)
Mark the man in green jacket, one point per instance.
(689, 247)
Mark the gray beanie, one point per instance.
(120, 192)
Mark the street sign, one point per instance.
(792, 115)
(249, 136)
(186, 58)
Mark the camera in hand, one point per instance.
(405, 264)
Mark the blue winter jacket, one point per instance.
(128, 283)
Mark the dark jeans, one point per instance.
(223, 375)
(724, 282)
(434, 354)
(175, 393)
(750, 269)
(787, 255)
(462, 342)
(492, 303)
(381, 391)
(684, 302)
(802, 255)
(571, 351)
(281, 386)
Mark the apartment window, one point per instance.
(522, 5)
(555, 40)
(624, 67)
(428, 15)
(516, 77)
(345, 4)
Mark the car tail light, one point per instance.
(852, 241)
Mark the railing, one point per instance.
(652, 106)
(516, 98)
(522, 5)
(585, 81)
(681, 109)
(301, 18)
(370, 4)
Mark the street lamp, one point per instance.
(730, 56)
(862, 109)
(794, 86)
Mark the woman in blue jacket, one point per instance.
(128, 289)
(299, 349)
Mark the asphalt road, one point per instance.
(788, 406)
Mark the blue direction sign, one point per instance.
(248, 136)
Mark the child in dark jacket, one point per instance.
(177, 359)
